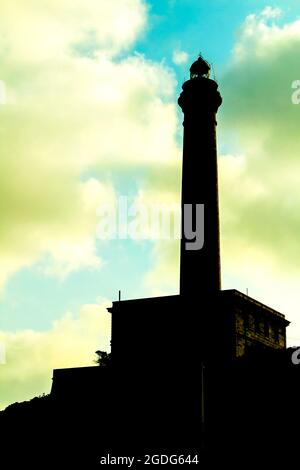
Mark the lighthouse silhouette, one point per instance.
(168, 346)
(200, 99)
(170, 354)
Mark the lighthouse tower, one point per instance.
(200, 99)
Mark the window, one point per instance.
(251, 322)
(276, 333)
(257, 326)
(267, 329)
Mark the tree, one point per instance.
(103, 359)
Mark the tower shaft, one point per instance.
(200, 265)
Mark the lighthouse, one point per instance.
(168, 387)
(200, 270)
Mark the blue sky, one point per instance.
(91, 114)
(208, 27)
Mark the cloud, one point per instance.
(31, 355)
(163, 278)
(180, 57)
(161, 196)
(73, 106)
(271, 12)
(34, 31)
(259, 185)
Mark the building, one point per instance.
(254, 325)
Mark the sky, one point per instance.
(88, 113)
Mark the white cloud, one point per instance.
(180, 57)
(69, 111)
(31, 355)
(259, 189)
(259, 37)
(41, 31)
(271, 12)
(163, 277)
